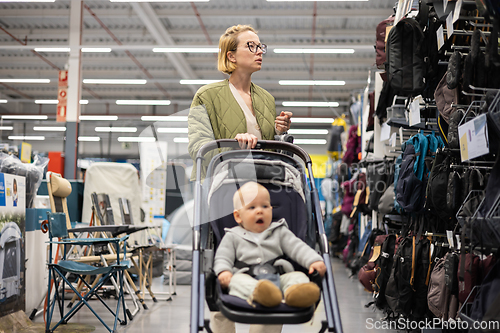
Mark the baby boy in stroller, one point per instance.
(249, 260)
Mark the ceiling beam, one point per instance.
(148, 16)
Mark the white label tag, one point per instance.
(393, 139)
(385, 132)
(459, 245)
(449, 235)
(449, 25)
(415, 111)
(456, 12)
(440, 37)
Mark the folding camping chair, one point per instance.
(60, 270)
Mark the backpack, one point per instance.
(421, 277)
(399, 292)
(405, 65)
(486, 306)
(353, 146)
(384, 268)
(381, 30)
(438, 295)
(397, 169)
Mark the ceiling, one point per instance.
(131, 30)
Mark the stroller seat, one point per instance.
(292, 197)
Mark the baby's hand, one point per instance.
(319, 266)
(225, 278)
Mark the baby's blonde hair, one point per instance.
(229, 42)
(246, 194)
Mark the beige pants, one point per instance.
(221, 324)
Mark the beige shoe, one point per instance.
(267, 294)
(302, 295)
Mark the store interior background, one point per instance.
(142, 26)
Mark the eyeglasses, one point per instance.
(254, 47)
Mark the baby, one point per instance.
(257, 241)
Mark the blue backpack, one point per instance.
(413, 173)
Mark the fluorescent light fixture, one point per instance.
(159, 0)
(98, 118)
(116, 129)
(84, 101)
(308, 0)
(25, 80)
(96, 49)
(26, 138)
(164, 118)
(142, 102)
(3, 101)
(27, 0)
(136, 139)
(6, 128)
(296, 120)
(186, 49)
(49, 128)
(31, 117)
(312, 104)
(181, 140)
(171, 130)
(89, 138)
(311, 83)
(308, 131)
(319, 51)
(114, 81)
(46, 101)
(52, 49)
(309, 141)
(198, 81)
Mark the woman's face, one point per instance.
(244, 59)
(15, 187)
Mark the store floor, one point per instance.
(173, 316)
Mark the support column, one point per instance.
(74, 88)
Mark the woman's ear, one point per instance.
(231, 57)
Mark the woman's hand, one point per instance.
(283, 122)
(246, 140)
(225, 278)
(318, 266)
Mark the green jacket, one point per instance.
(215, 114)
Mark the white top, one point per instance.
(252, 125)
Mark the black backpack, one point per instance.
(405, 64)
(384, 268)
(399, 292)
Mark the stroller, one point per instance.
(293, 197)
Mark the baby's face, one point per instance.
(257, 215)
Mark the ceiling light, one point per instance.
(89, 138)
(312, 104)
(330, 51)
(311, 83)
(49, 129)
(308, 0)
(27, 0)
(296, 120)
(181, 140)
(26, 138)
(198, 81)
(142, 102)
(116, 129)
(186, 49)
(84, 101)
(25, 80)
(6, 128)
(159, 0)
(309, 141)
(98, 117)
(114, 81)
(136, 139)
(52, 49)
(3, 101)
(307, 131)
(171, 130)
(164, 118)
(46, 101)
(19, 117)
(96, 49)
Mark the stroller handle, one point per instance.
(261, 144)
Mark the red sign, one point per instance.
(62, 96)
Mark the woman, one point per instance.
(235, 108)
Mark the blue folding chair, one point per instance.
(61, 270)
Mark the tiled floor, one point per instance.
(173, 316)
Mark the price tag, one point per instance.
(449, 235)
(415, 111)
(385, 132)
(456, 12)
(449, 25)
(393, 139)
(440, 37)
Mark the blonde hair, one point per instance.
(229, 42)
(246, 194)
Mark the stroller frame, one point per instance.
(203, 257)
